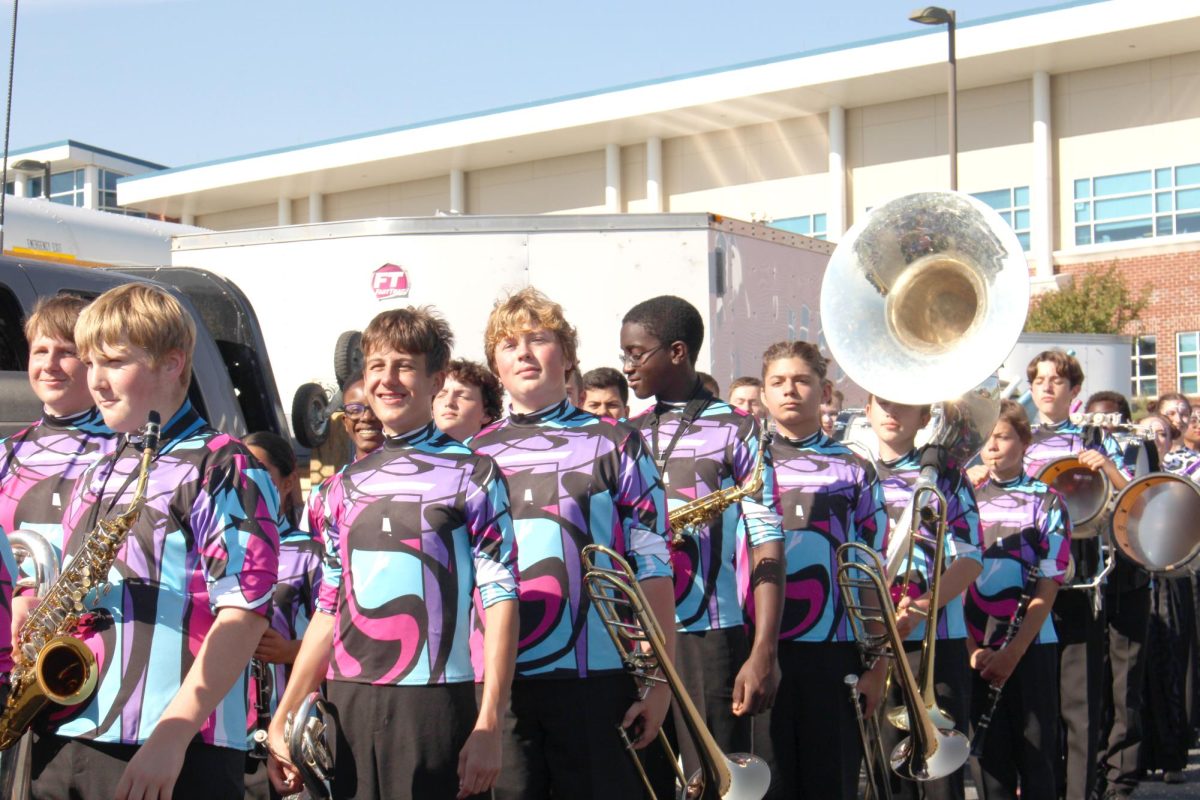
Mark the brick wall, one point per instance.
(1174, 274)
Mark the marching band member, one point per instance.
(576, 479)
(1127, 613)
(40, 464)
(1184, 456)
(745, 393)
(1024, 528)
(469, 401)
(413, 529)
(190, 588)
(366, 435)
(292, 602)
(896, 426)
(703, 445)
(1055, 379)
(605, 393)
(1170, 644)
(829, 496)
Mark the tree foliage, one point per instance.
(1096, 301)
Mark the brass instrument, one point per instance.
(927, 753)
(304, 732)
(639, 639)
(900, 716)
(51, 665)
(691, 515)
(1154, 522)
(878, 785)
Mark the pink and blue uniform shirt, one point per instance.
(206, 540)
(576, 479)
(412, 530)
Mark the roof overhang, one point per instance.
(1068, 38)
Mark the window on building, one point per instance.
(65, 187)
(1013, 205)
(809, 224)
(108, 194)
(1138, 205)
(1187, 354)
(1144, 367)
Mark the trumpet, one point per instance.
(639, 639)
(927, 753)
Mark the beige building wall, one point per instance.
(901, 147)
(769, 171)
(253, 217)
(1125, 118)
(410, 199)
(567, 185)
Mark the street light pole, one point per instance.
(935, 15)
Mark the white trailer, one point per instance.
(311, 283)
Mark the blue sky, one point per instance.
(184, 81)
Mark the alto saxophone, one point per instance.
(51, 664)
(691, 515)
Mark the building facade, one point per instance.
(1079, 123)
(80, 175)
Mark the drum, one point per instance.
(1156, 522)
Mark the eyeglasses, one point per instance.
(355, 410)
(631, 360)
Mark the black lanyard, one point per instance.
(696, 404)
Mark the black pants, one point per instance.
(1020, 748)
(952, 687)
(82, 770)
(399, 742)
(1081, 635)
(1170, 645)
(810, 737)
(560, 740)
(1128, 614)
(708, 664)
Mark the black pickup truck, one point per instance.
(232, 383)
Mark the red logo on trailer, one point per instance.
(390, 280)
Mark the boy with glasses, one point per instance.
(703, 445)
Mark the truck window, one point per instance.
(14, 350)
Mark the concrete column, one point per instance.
(316, 207)
(458, 191)
(285, 210)
(612, 179)
(654, 174)
(1041, 188)
(20, 184)
(835, 219)
(187, 218)
(91, 186)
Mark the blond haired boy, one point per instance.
(190, 587)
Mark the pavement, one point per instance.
(1154, 788)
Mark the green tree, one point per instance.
(1096, 301)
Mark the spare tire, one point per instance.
(347, 356)
(310, 415)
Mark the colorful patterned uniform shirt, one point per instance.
(292, 603)
(413, 529)
(316, 508)
(206, 540)
(576, 479)
(828, 496)
(1053, 441)
(1024, 525)
(1182, 461)
(717, 451)
(39, 467)
(962, 532)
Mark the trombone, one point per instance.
(927, 753)
(639, 639)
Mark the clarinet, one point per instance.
(1014, 625)
(264, 680)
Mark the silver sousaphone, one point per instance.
(921, 303)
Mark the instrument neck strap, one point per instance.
(698, 400)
